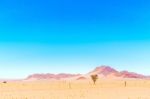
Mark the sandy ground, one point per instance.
(104, 89)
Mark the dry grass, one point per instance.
(104, 89)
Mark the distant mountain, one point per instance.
(104, 70)
(126, 74)
(51, 76)
(101, 71)
(107, 71)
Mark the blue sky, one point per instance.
(73, 36)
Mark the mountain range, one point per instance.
(101, 71)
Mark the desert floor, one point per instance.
(104, 89)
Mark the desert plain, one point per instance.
(76, 89)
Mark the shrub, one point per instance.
(4, 82)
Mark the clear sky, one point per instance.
(73, 36)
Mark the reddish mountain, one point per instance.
(107, 71)
(51, 76)
(126, 74)
(102, 71)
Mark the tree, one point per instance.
(94, 78)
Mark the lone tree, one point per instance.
(94, 78)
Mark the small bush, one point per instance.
(4, 82)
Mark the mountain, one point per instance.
(126, 74)
(109, 72)
(51, 76)
(101, 71)
(104, 70)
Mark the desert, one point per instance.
(71, 87)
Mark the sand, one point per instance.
(104, 89)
